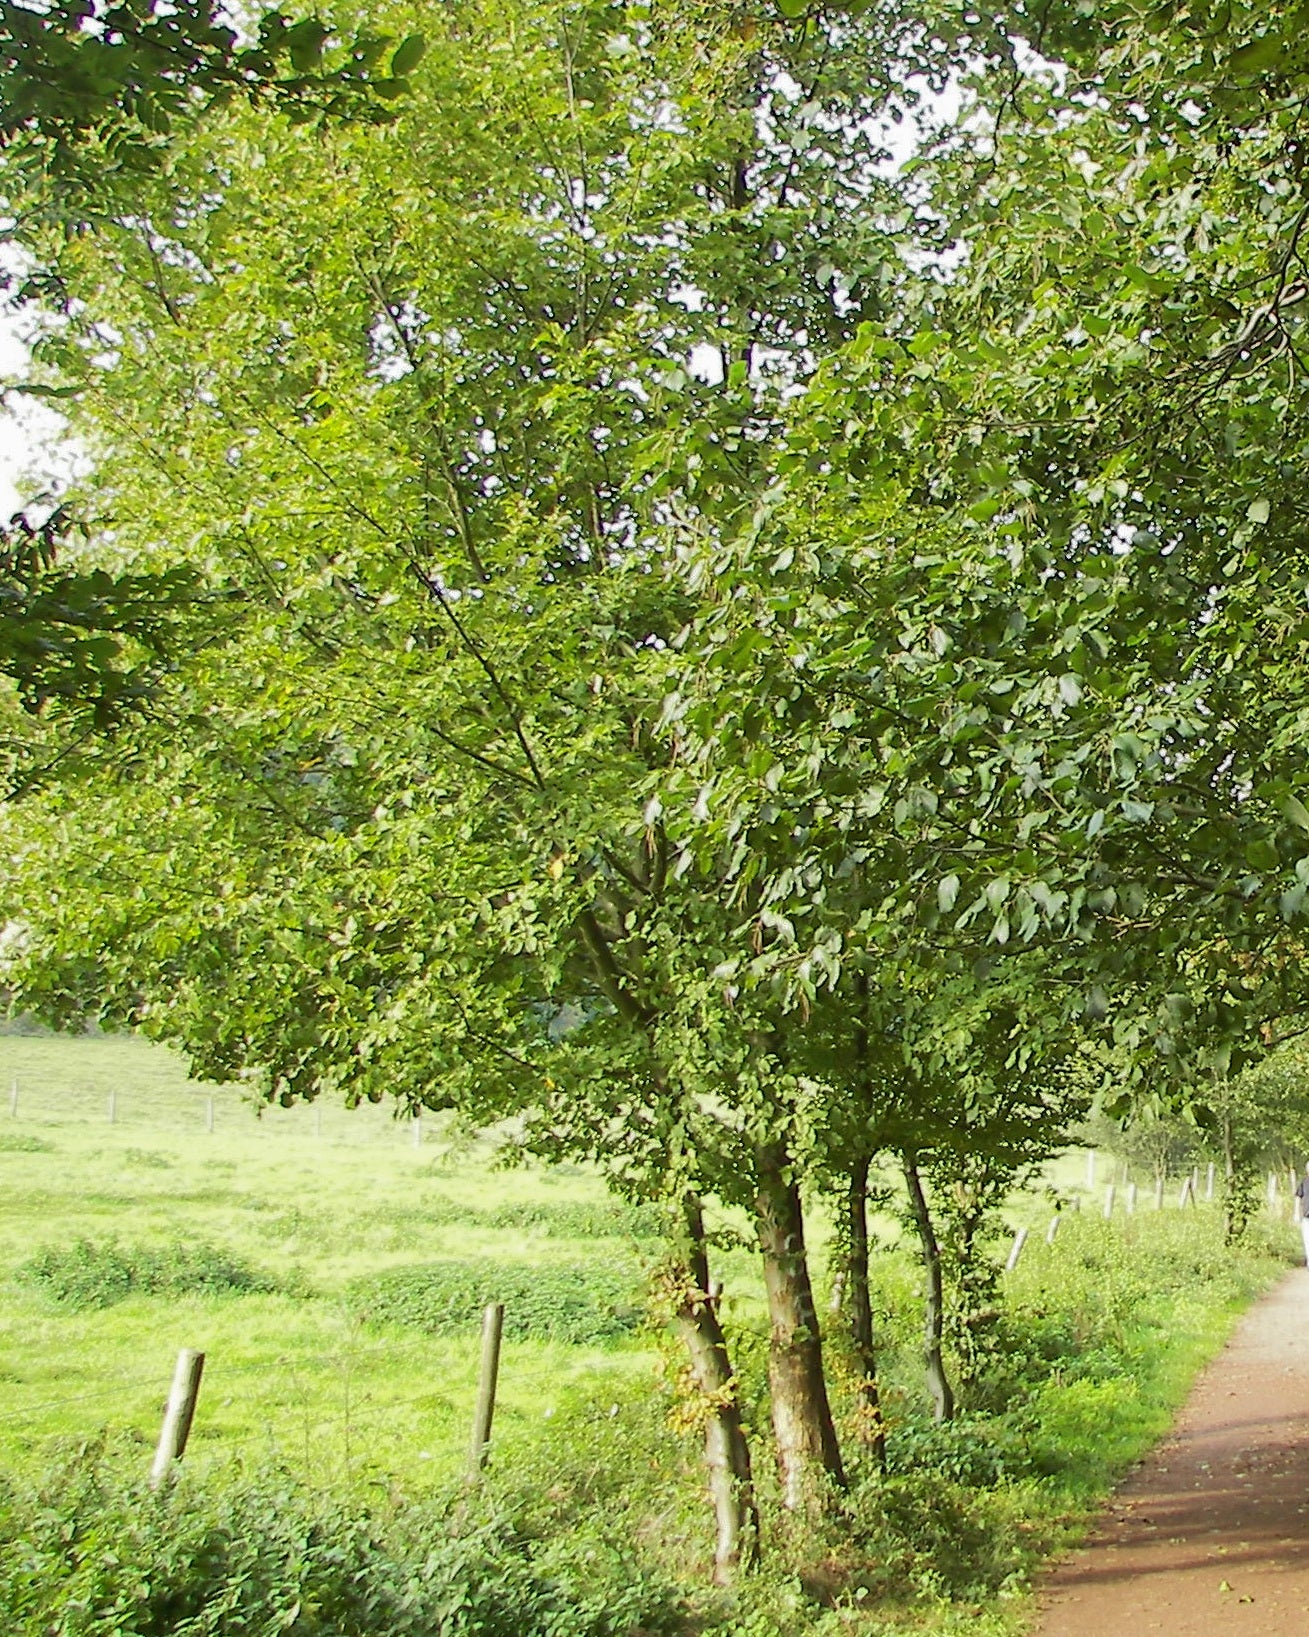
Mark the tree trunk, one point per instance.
(727, 1455)
(861, 1308)
(807, 1451)
(938, 1383)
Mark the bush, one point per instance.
(89, 1275)
(565, 1220)
(87, 1558)
(580, 1302)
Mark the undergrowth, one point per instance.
(91, 1557)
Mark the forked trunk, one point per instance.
(861, 1310)
(938, 1383)
(727, 1455)
(807, 1451)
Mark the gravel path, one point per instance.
(1209, 1535)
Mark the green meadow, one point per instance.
(314, 1201)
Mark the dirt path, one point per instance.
(1209, 1536)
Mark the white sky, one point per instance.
(26, 465)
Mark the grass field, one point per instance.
(315, 1198)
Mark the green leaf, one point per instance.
(1257, 55)
(408, 54)
(1258, 512)
(793, 8)
(305, 44)
(1293, 808)
(947, 892)
(1261, 854)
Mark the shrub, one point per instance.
(584, 1303)
(88, 1275)
(88, 1558)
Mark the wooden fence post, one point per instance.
(1131, 1199)
(1016, 1250)
(1272, 1188)
(1209, 1182)
(1109, 1201)
(1090, 1168)
(1053, 1229)
(493, 1318)
(179, 1414)
(209, 1114)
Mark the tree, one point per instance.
(399, 829)
(679, 572)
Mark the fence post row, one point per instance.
(179, 1414)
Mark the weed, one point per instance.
(145, 1159)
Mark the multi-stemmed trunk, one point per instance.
(727, 1455)
(938, 1383)
(808, 1454)
(860, 1307)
